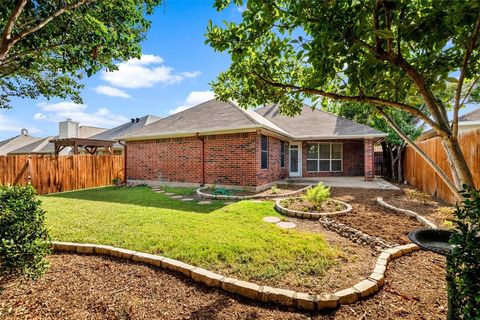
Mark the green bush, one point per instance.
(274, 189)
(317, 195)
(24, 241)
(464, 265)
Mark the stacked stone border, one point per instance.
(423, 221)
(269, 196)
(311, 215)
(355, 235)
(283, 297)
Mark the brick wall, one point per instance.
(274, 171)
(369, 159)
(353, 164)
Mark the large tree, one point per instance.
(393, 55)
(47, 46)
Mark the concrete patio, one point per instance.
(345, 182)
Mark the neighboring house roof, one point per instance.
(317, 124)
(468, 121)
(212, 116)
(123, 129)
(41, 146)
(88, 131)
(471, 116)
(221, 117)
(16, 142)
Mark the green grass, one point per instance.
(231, 239)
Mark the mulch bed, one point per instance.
(90, 287)
(433, 209)
(303, 205)
(371, 218)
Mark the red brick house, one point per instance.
(219, 143)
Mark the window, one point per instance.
(324, 157)
(264, 142)
(282, 154)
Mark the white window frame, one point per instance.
(329, 159)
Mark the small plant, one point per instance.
(463, 265)
(274, 189)
(24, 241)
(246, 187)
(418, 195)
(116, 181)
(214, 187)
(317, 195)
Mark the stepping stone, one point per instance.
(169, 193)
(204, 202)
(286, 225)
(176, 197)
(159, 191)
(257, 201)
(271, 219)
(187, 199)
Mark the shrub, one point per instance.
(464, 265)
(116, 180)
(317, 195)
(274, 189)
(24, 241)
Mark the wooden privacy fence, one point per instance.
(420, 175)
(50, 174)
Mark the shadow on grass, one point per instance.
(141, 196)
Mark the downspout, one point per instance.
(202, 139)
(124, 144)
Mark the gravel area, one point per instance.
(90, 287)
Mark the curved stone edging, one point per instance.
(283, 297)
(424, 221)
(269, 196)
(310, 215)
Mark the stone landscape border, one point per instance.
(283, 297)
(423, 221)
(268, 196)
(311, 215)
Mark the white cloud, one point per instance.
(61, 106)
(241, 9)
(103, 117)
(111, 92)
(145, 73)
(7, 124)
(194, 98)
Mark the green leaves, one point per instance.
(51, 62)
(384, 34)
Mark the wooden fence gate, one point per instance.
(419, 174)
(50, 174)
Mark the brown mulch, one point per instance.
(371, 218)
(90, 287)
(433, 209)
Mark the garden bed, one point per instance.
(82, 286)
(278, 191)
(302, 208)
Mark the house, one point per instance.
(466, 122)
(8, 145)
(219, 143)
(133, 124)
(66, 129)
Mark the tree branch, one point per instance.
(12, 20)
(47, 20)
(468, 52)
(422, 153)
(360, 98)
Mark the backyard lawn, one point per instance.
(227, 238)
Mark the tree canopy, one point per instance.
(48, 46)
(385, 53)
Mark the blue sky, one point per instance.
(173, 74)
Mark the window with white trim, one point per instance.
(324, 157)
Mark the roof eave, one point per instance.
(343, 137)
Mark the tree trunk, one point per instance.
(458, 163)
(400, 164)
(392, 162)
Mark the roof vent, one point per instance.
(137, 120)
(24, 132)
(133, 120)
